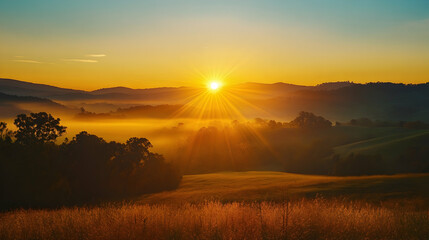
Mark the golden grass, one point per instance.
(304, 219)
(246, 205)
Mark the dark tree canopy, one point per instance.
(85, 170)
(307, 120)
(37, 128)
(3, 126)
(5, 134)
(141, 145)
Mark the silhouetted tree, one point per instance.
(37, 128)
(5, 134)
(307, 120)
(139, 145)
(35, 172)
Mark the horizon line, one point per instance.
(183, 86)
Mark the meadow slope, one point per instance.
(260, 205)
(389, 145)
(277, 186)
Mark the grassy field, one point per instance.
(305, 219)
(278, 186)
(245, 205)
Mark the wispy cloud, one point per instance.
(96, 55)
(26, 61)
(80, 60)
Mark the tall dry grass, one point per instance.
(303, 219)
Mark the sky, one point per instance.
(93, 44)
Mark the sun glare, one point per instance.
(214, 86)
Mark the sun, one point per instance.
(214, 85)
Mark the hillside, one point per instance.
(114, 94)
(11, 105)
(378, 101)
(21, 88)
(389, 145)
(275, 186)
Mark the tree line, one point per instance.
(304, 145)
(37, 172)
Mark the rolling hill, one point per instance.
(389, 146)
(276, 186)
(115, 94)
(21, 88)
(11, 105)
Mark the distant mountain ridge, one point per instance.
(333, 85)
(126, 90)
(22, 88)
(340, 101)
(5, 98)
(12, 105)
(382, 101)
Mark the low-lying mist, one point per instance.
(309, 144)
